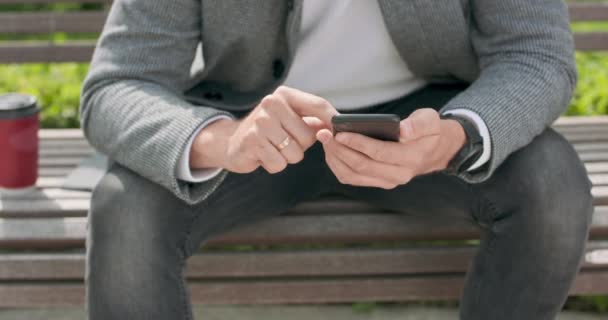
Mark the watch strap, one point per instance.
(472, 149)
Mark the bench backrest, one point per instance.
(91, 21)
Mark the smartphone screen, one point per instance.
(378, 126)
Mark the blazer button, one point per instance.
(278, 68)
(289, 5)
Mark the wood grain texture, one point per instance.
(331, 290)
(51, 266)
(588, 11)
(591, 41)
(26, 52)
(287, 229)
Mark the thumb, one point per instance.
(421, 123)
(324, 136)
(406, 129)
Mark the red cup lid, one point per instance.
(15, 101)
(16, 105)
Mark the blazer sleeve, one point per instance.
(528, 72)
(132, 105)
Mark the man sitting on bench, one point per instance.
(200, 149)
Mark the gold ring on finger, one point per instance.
(284, 143)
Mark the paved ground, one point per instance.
(284, 313)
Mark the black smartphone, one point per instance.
(378, 126)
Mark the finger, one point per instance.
(421, 123)
(307, 105)
(378, 150)
(279, 110)
(366, 166)
(298, 129)
(324, 135)
(315, 124)
(271, 159)
(292, 151)
(346, 175)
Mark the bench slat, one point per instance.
(386, 289)
(334, 262)
(590, 146)
(45, 52)
(59, 202)
(66, 161)
(325, 229)
(591, 41)
(61, 172)
(286, 229)
(52, 194)
(78, 207)
(600, 167)
(47, 152)
(581, 121)
(599, 179)
(594, 156)
(297, 263)
(588, 11)
(50, 182)
(92, 22)
(44, 208)
(58, 194)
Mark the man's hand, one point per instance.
(426, 144)
(242, 146)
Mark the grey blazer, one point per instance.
(142, 100)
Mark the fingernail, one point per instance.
(406, 128)
(322, 137)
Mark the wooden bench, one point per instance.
(328, 250)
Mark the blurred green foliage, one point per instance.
(591, 95)
(58, 86)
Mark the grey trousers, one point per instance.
(534, 214)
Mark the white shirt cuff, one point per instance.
(482, 128)
(184, 172)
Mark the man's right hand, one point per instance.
(244, 145)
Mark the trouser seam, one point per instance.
(182, 289)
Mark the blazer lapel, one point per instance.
(432, 37)
(406, 30)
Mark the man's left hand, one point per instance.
(426, 144)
